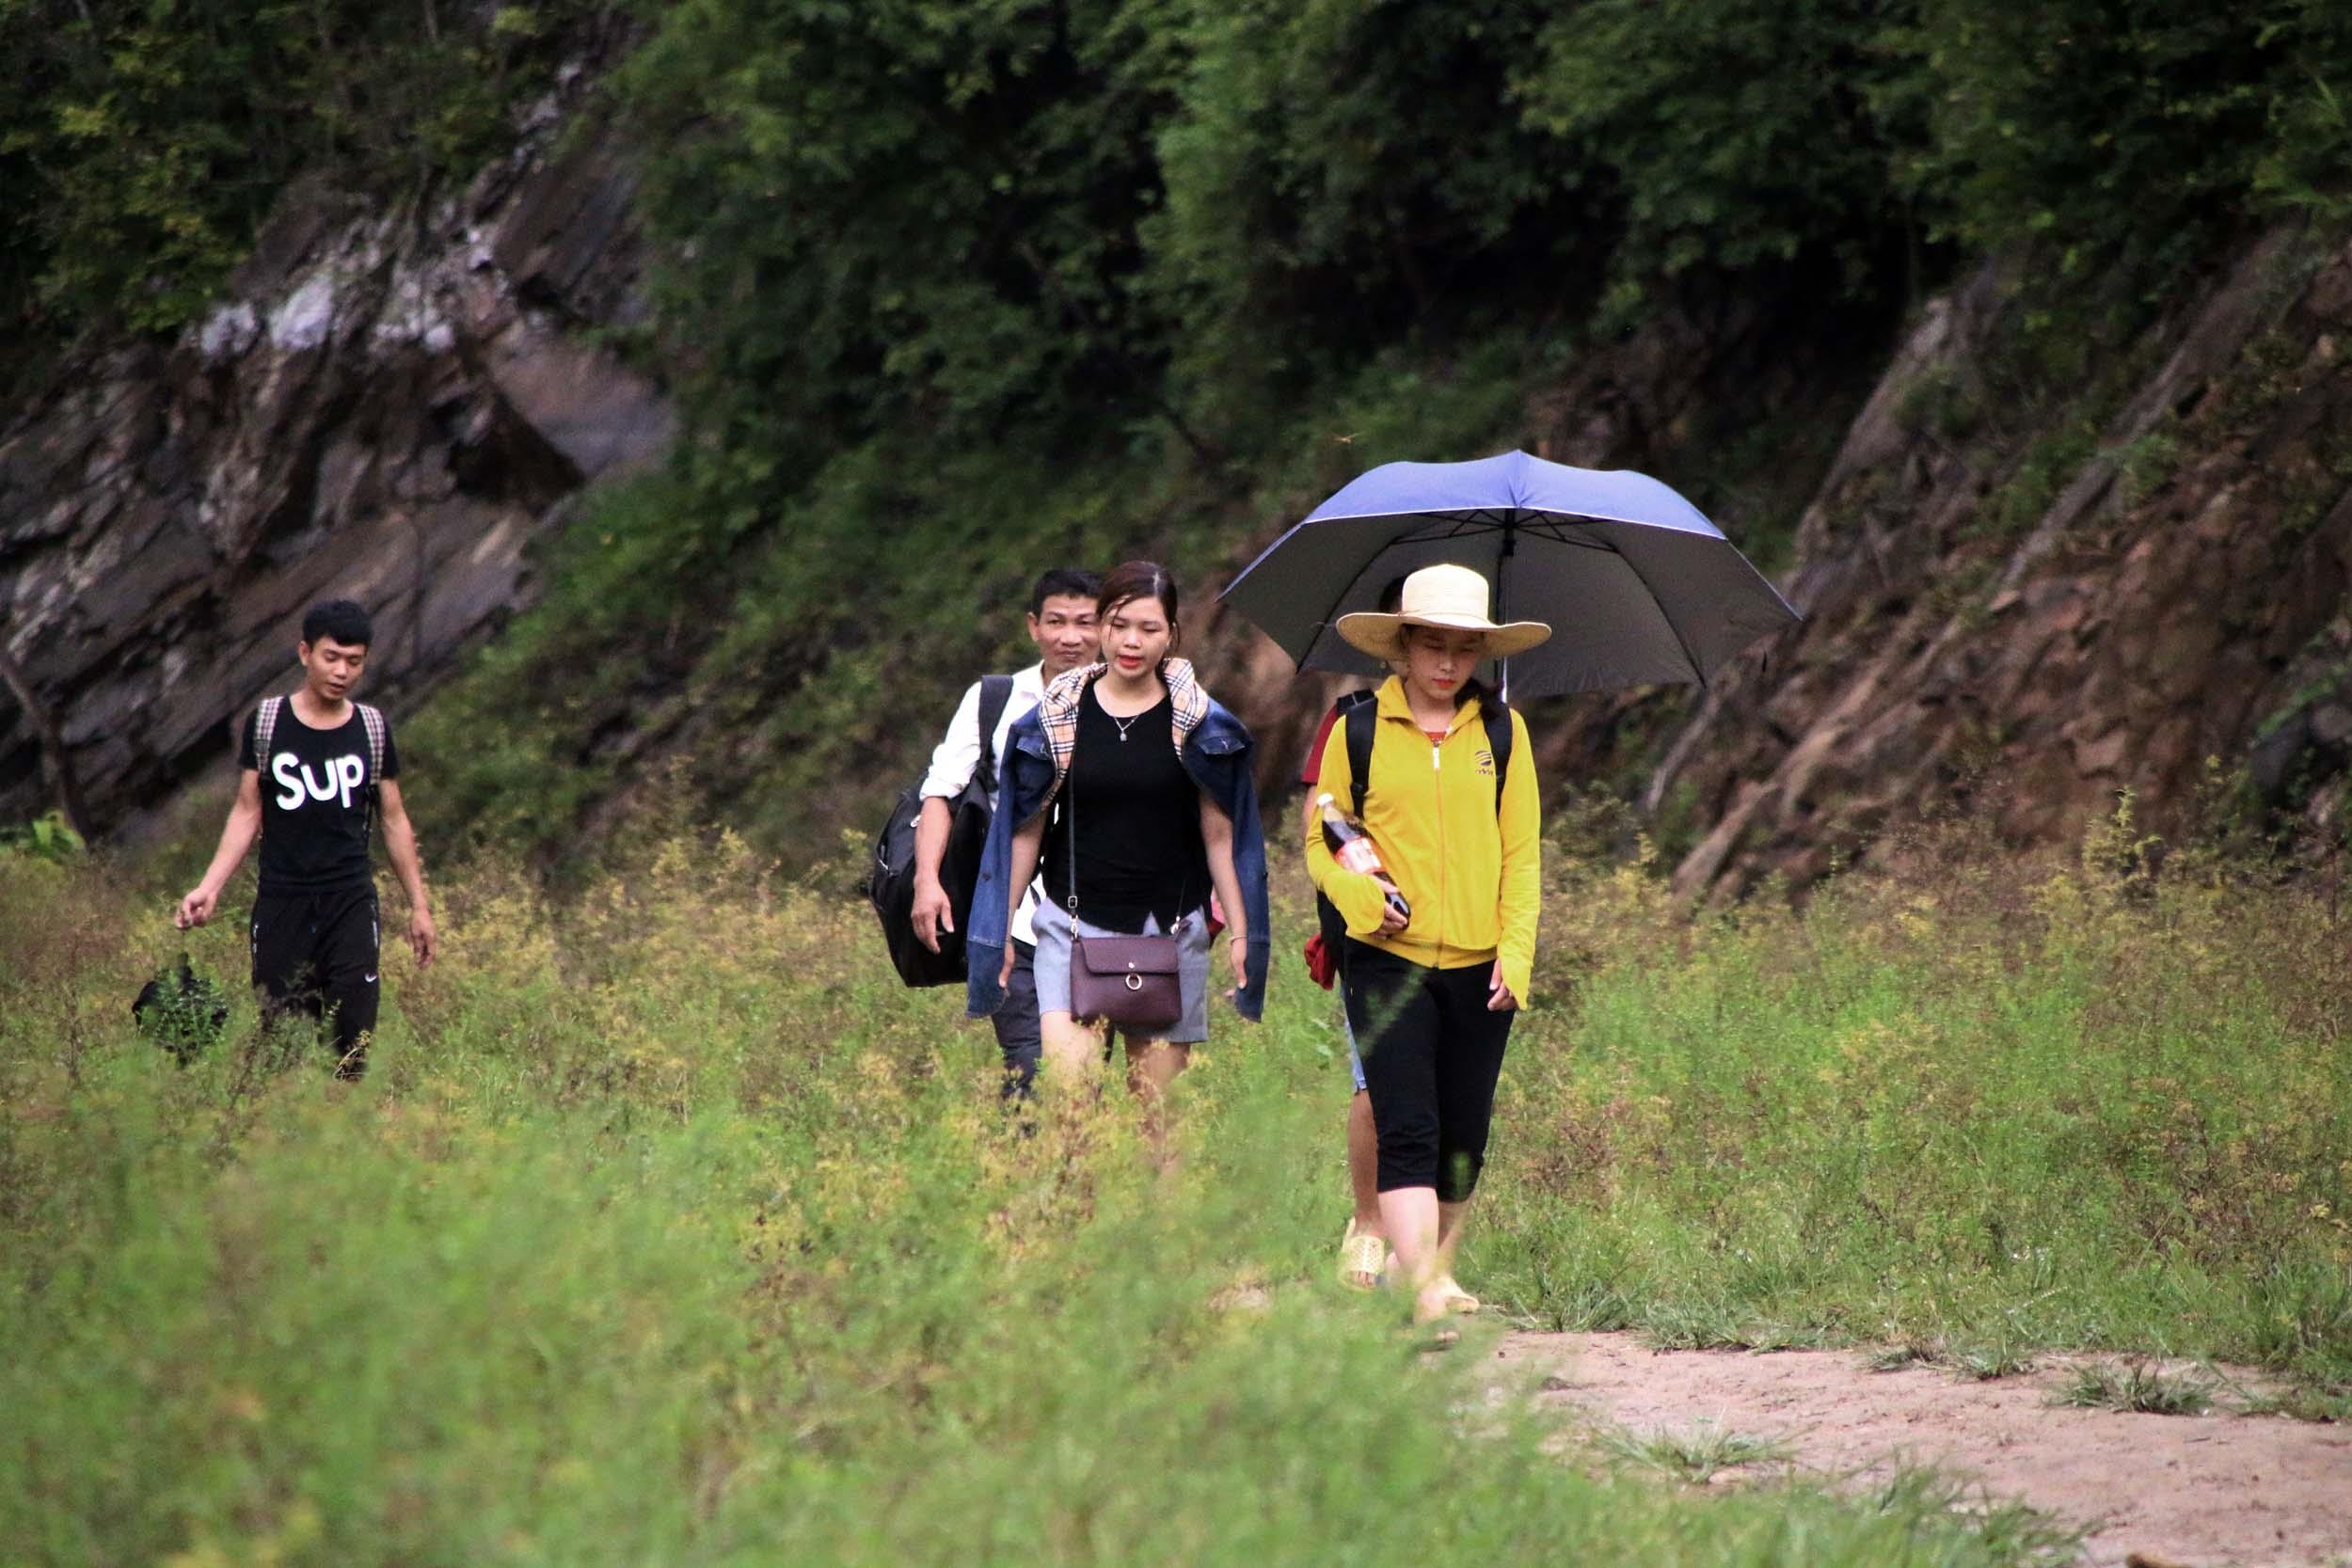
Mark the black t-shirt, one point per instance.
(1139, 849)
(318, 799)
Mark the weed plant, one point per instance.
(668, 1227)
(1697, 1455)
(2136, 1387)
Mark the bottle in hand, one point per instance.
(1353, 849)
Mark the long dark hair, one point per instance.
(1131, 580)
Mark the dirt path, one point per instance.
(2211, 1489)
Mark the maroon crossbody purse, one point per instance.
(1128, 983)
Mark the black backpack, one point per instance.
(181, 1011)
(1358, 712)
(890, 886)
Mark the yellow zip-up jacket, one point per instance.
(1473, 876)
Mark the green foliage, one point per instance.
(1341, 175)
(911, 211)
(2014, 1531)
(2128, 137)
(48, 837)
(670, 1228)
(1734, 133)
(1983, 1106)
(142, 143)
(2138, 1387)
(1696, 1455)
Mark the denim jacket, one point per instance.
(1217, 754)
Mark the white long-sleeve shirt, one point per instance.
(958, 755)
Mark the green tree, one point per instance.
(915, 210)
(145, 140)
(1343, 173)
(1734, 135)
(2124, 133)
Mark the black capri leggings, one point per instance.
(1432, 1052)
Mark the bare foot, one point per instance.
(1458, 1300)
(1441, 1298)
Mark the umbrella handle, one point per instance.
(1503, 572)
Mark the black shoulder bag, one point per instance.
(890, 884)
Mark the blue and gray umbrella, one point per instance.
(1638, 587)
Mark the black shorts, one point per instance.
(316, 953)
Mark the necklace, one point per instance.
(1123, 725)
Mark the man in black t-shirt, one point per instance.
(317, 770)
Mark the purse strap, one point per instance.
(1070, 809)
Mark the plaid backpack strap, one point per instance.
(265, 729)
(374, 719)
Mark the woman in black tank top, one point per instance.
(1131, 837)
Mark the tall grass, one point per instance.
(669, 1229)
(1972, 1099)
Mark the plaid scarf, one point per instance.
(1058, 711)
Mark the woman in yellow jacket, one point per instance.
(1430, 997)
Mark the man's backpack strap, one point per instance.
(265, 730)
(996, 691)
(374, 719)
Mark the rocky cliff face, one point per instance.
(2027, 618)
(384, 408)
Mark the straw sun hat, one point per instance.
(1451, 598)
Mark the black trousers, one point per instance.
(1432, 1054)
(1019, 1035)
(316, 953)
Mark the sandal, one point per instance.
(1364, 1259)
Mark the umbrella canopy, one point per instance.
(1639, 588)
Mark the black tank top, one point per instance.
(1138, 813)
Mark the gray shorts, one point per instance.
(1192, 967)
(1354, 1057)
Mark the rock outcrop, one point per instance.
(2028, 616)
(387, 408)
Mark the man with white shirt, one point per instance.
(1062, 624)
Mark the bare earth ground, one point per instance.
(2211, 1489)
